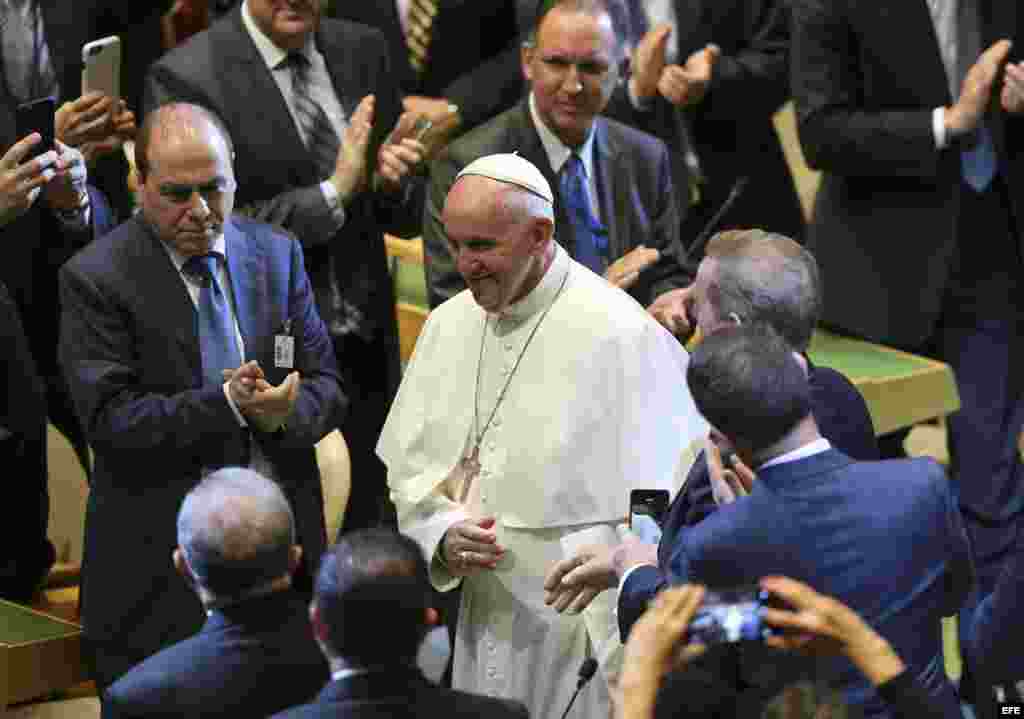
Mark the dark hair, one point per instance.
(590, 7)
(766, 277)
(236, 529)
(159, 117)
(372, 592)
(748, 385)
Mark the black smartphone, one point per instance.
(647, 511)
(728, 616)
(37, 116)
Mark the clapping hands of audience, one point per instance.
(682, 85)
(265, 405)
(400, 153)
(443, 115)
(976, 90)
(657, 645)
(1012, 96)
(350, 168)
(822, 624)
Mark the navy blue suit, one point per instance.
(400, 692)
(223, 670)
(130, 348)
(886, 538)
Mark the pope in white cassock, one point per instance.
(534, 402)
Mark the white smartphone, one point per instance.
(102, 71)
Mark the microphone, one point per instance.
(667, 264)
(586, 672)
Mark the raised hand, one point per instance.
(648, 61)
(350, 168)
(686, 85)
(976, 90)
(20, 182)
(401, 153)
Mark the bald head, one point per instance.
(174, 123)
(236, 530)
(758, 276)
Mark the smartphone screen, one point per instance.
(37, 116)
(727, 616)
(647, 511)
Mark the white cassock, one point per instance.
(598, 406)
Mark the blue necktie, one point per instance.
(217, 339)
(591, 245)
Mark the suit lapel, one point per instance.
(243, 269)
(340, 68)
(606, 158)
(162, 280)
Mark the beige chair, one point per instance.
(336, 480)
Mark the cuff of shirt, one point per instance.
(625, 575)
(939, 128)
(234, 407)
(330, 193)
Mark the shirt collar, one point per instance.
(219, 246)
(557, 151)
(544, 293)
(272, 55)
(808, 450)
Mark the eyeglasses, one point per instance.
(594, 70)
(182, 194)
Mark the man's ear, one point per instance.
(431, 616)
(526, 55)
(181, 566)
(316, 621)
(541, 229)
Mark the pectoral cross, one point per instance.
(467, 470)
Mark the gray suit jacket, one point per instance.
(634, 185)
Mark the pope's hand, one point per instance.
(471, 545)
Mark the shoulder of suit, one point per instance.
(127, 239)
(350, 36)
(495, 135)
(261, 231)
(633, 140)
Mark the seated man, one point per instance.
(370, 612)
(237, 550)
(885, 538)
(615, 208)
(746, 276)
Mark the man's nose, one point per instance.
(198, 205)
(573, 81)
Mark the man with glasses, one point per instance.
(191, 342)
(615, 209)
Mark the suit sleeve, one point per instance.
(960, 568)
(443, 280)
(321, 402)
(837, 133)
(754, 81)
(641, 586)
(996, 633)
(96, 352)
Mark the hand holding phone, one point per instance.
(647, 511)
(37, 116)
(22, 176)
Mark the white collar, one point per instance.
(808, 450)
(557, 151)
(179, 260)
(272, 55)
(541, 296)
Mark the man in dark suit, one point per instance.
(614, 183)
(236, 548)
(288, 85)
(448, 53)
(746, 276)
(157, 318)
(871, 534)
(370, 612)
(918, 130)
(707, 77)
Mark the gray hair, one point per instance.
(766, 277)
(236, 530)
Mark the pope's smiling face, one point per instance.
(499, 255)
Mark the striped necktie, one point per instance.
(321, 138)
(419, 26)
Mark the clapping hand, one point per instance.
(686, 85)
(400, 153)
(350, 167)
(266, 406)
(1012, 96)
